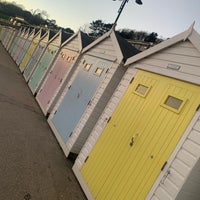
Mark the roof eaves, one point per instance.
(167, 43)
(127, 50)
(85, 40)
(65, 36)
(195, 39)
(103, 37)
(69, 39)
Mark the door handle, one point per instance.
(133, 139)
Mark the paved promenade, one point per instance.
(32, 165)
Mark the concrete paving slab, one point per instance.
(32, 165)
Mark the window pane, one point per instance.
(141, 89)
(87, 67)
(98, 71)
(173, 102)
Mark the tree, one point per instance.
(68, 30)
(98, 28)
(152, 37)
(132, 34)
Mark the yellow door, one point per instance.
(28, 54)
(140, 136)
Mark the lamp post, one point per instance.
(122, 7)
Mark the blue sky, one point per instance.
(166, 17)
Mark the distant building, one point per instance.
(17, 21)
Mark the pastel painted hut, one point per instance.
(16, 41)
(13, 34)
(22, 40)
(46, 60)
(146, 143)
(36, 38)
(9, 34)
(61, 70)
(26, 45)
(98, 73)
(37, 54)
(2, 33)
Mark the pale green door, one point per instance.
(140, 136)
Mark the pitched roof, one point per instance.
(85, 39)
(51, 34)
(122, 47)
(189, 34)
(43, 32)
(127, 48)
(65, 36)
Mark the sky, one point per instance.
(165, 17)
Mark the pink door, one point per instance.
(55, 78)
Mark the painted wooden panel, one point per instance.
(74, 44)
(23, 51)
(105, 47)
(34, 60)
(28, 54)
(42, 67)
(180, 174)
(19, 47)
(95, 109)
(7, 36)
(15, 45)
(82, 89)
(55, 78)
(140, 136)
(11, 40)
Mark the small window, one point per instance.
(87, 67)
(141, 90)
(173, 103)
(68, 59)
(98, 71)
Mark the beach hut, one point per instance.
(22, 40)
(26, 45)
(146, 143)
(8, 33)
(1, 33)
(38, 34)
(61, 70)
(16, 41)
(46, 60)
(4, 35)
(37, 54)
(13, 34)
(98, 73)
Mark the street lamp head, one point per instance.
(139, 2)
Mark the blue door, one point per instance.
(91, 73)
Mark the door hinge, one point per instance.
(198, 107)
(108, 120)
(131, 80)
(69, 87)
(70, 134)
(89, 102)
(107, 71)
(164, 165)
(86, 159)
(55, 112)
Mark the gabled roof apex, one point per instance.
(189, 34)
(98, 40)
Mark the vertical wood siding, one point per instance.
(34, 59)
(181, 168)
